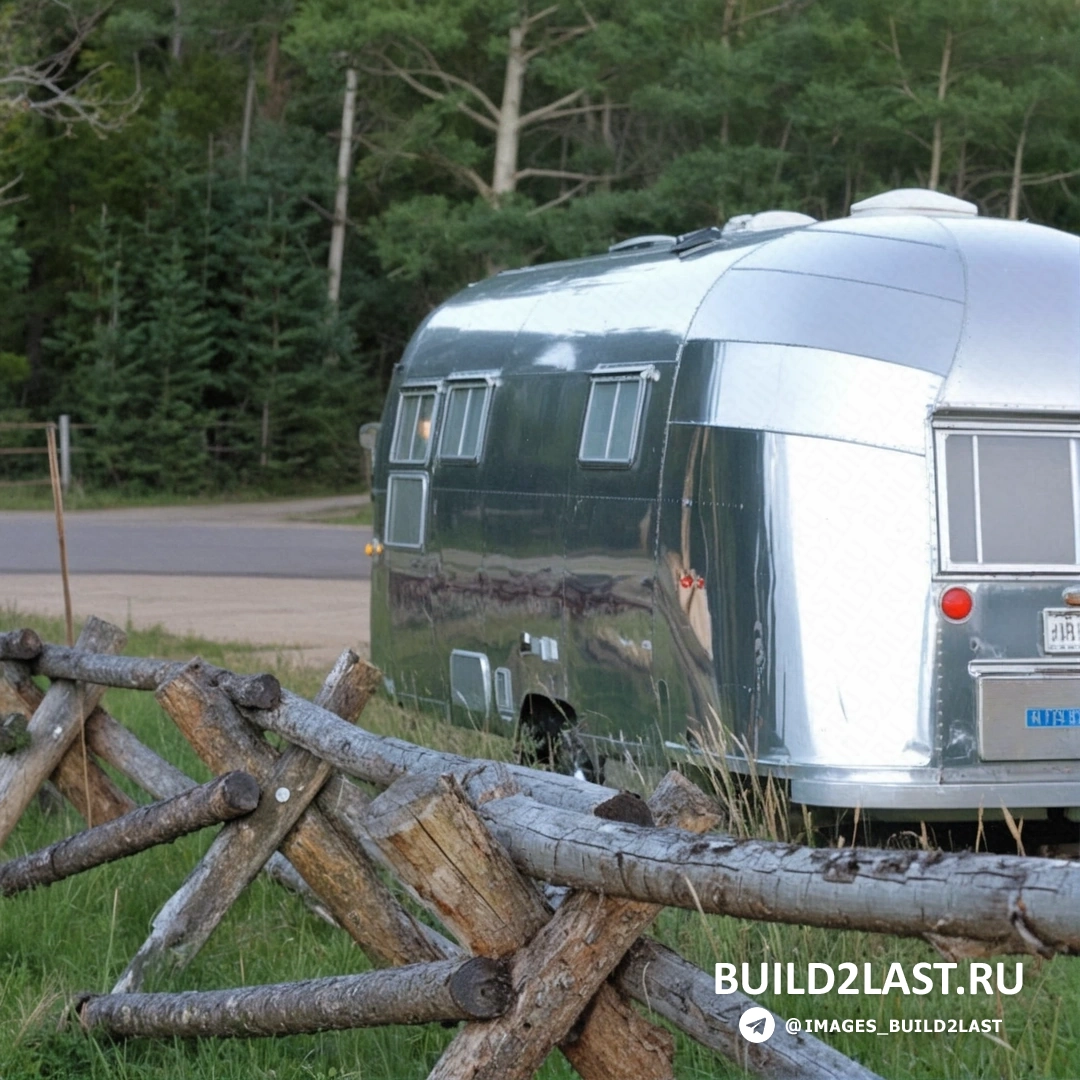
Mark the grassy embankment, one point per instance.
(78, 935)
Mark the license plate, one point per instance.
(1053, 718)
(1061, 630)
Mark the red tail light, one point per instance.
(956, 604)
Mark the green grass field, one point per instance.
(79, 934)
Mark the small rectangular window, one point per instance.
(504, 693)
(612, 418)
(415, 419)
(1010, 498)
(463, 429)
(470, 681)
(406, 499)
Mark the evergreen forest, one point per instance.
(221, 220)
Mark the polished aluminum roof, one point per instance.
(920, 310)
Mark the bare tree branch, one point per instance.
(785, 5)
(529, 20)
(1026, 179)
(895, 50)
(409, 77)
(463, 172)
(545, 112)
(557, 39)
(563, 174)
(566, 196)
(37, 87)
(437, 70)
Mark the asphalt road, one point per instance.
(115, 542)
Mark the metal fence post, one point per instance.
(65, 451)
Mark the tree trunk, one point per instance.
(557, 974)
(145, 673)
(341, 195)
(334, 866)
(508, 125)
(960, 187)
(223, 799)
(276, 90)
(943, 86)
(176, 40)
(1017, 185)
(249, 119)
(686, 997)
(53, 727)
(447, 990)
(264, 434)
(987, 903)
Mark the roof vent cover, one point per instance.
(641, 243)
(766, 221)
(915, 201)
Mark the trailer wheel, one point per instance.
(548, 737)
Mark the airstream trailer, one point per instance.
(807, 491)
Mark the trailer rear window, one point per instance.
(406, 499)
(415, 419)
(463, 429)
(612, 418)
(1009, 499)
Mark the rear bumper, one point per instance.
(933, 790)
(1017, 785)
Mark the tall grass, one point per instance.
(79, 934)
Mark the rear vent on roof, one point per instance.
(640, 243)
(696, 238)
(915, 201)
(766, 221)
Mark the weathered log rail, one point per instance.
(472, 841)
(472, 989)
(129, 672)
(222, 799)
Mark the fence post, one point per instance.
(65, 451)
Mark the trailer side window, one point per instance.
(612, 419)
(406, 499)
(463, 429)
(1011, 499)
(415, 419)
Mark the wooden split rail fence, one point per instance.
(544, 883)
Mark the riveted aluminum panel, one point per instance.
(1021, 343)
(801, 391)
(569, 316)
(1033, 717)
(914, 228)
(851, 655)
(933, 269)
(778, 307)
(657, 296)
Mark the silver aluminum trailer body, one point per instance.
(716, 494)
